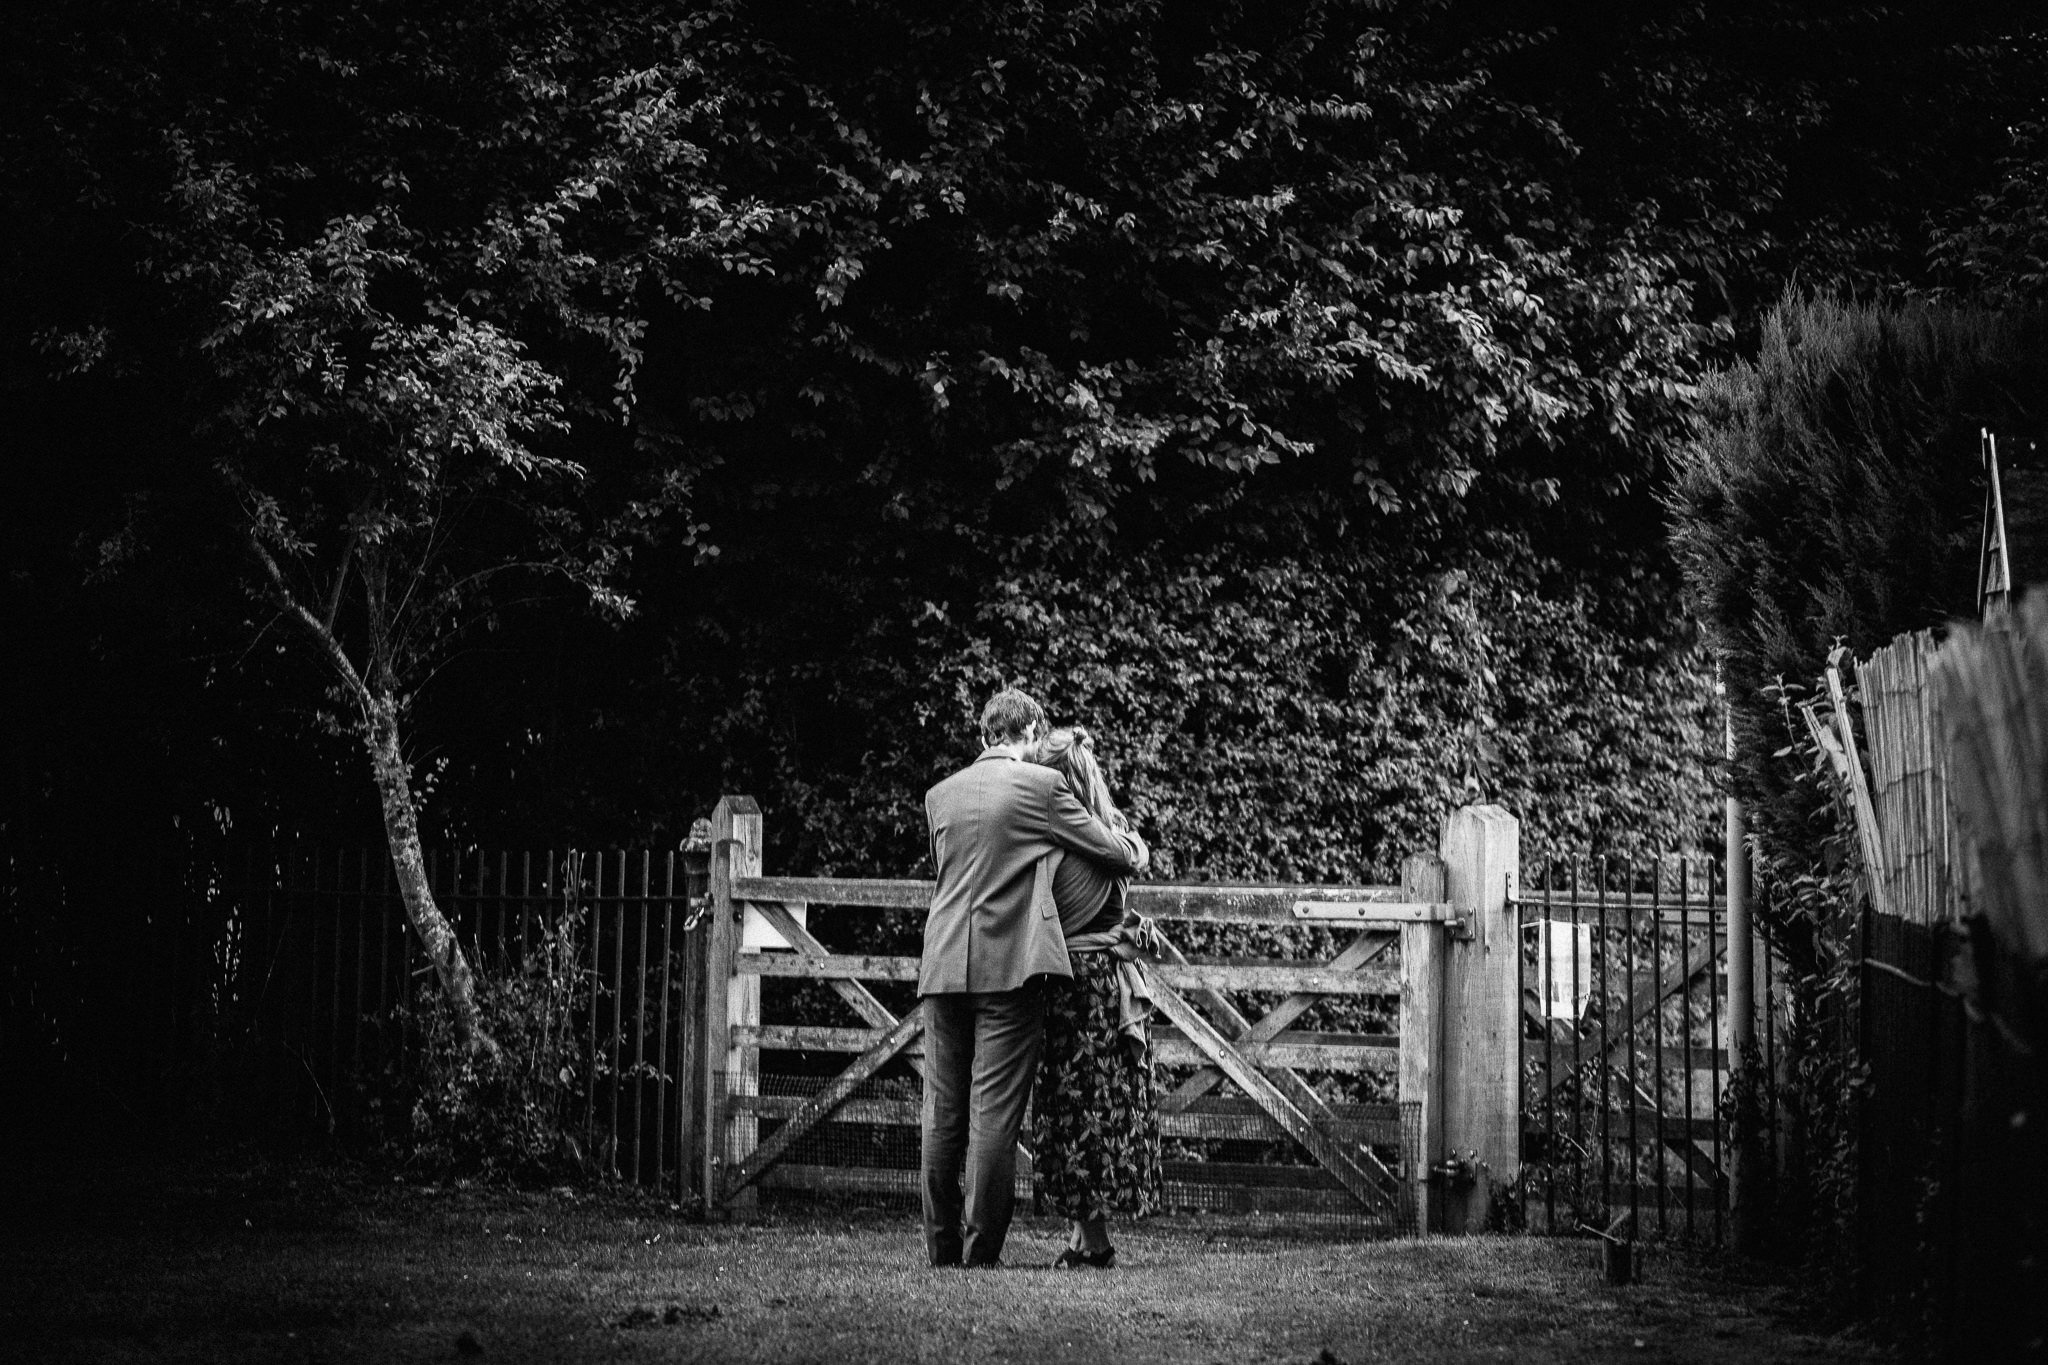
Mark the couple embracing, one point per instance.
(1030, 976)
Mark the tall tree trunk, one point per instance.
(402, 832)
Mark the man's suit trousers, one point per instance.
(981, 1055)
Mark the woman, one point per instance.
(1095, 1109)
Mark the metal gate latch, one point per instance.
(1457, 1172)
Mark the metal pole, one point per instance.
(1741, 1014)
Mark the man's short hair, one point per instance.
(1009, 717)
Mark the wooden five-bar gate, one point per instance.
(1417, 1128)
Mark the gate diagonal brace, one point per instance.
(819, 1107)
(1333, 1156)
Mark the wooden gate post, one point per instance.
(1422, 1039)
(729, 1000)
(1482, 1009)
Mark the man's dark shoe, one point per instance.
(1071, 1259)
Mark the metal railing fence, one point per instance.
(1625, 1046)
(293, 983)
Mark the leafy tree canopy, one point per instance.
(907, 299)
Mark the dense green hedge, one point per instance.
(1299, 713)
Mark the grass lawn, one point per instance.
(300, 1264)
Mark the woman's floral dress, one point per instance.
(1095, 1112)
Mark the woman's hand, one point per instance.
(1138, 844)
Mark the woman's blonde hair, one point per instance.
(1070, 750)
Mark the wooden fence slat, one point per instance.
(829, 966)
(818, 1107)
(854, 1180)
(1247, 1123)
(819, 1038)
(1342, 1111)
(890, 1113)
(1247, 904)
(873, 892)
(1259, 1127)
(1295, 1048)
(1161, 900)
(1224, 1187)
(1278, 978)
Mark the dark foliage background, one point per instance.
(1304, 710)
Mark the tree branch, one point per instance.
(348, 553)
(377, 606)
(290, 605)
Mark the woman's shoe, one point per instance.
(1071, 1259)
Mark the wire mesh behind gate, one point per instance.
(1244, 1171)
(1224, 1161)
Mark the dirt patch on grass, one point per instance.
(311, 1264)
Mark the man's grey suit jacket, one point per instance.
(993, 925)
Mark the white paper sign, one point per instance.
(1565, 955)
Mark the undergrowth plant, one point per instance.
(503, 1116)
(1815, 901)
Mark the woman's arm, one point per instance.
(1071, 826)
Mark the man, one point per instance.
(992, 938)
